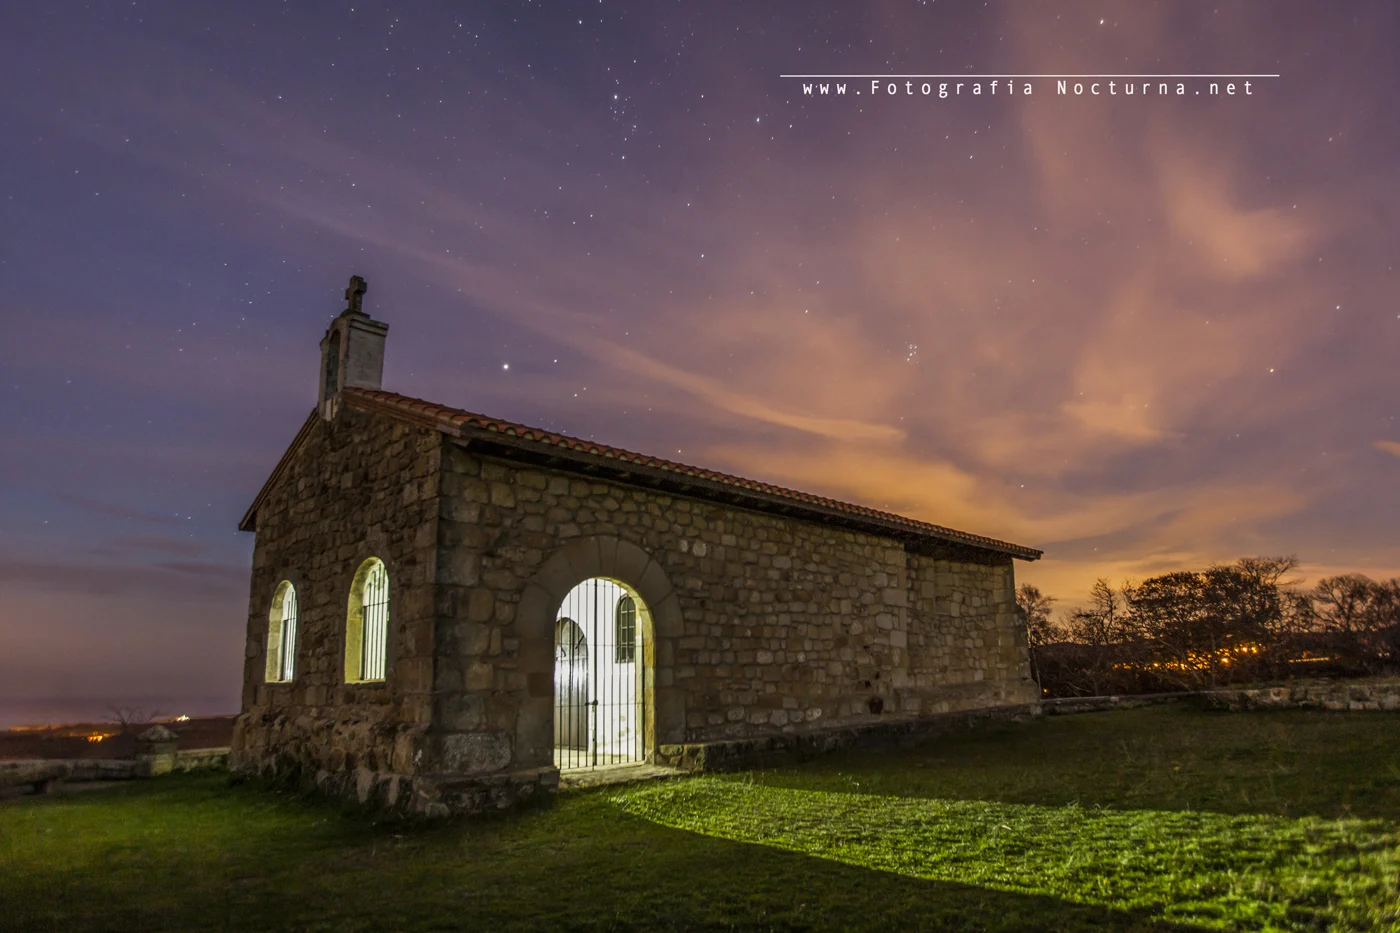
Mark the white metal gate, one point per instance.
(599, 698)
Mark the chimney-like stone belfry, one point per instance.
(352, 351)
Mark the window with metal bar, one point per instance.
(289, 634)
(626, 626)
(375, 631)
(282, 634)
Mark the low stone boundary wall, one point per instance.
(197, 759)
(40, 774)
(1065, 705)
(785, 748)
(1338, 696)
(1383, 695)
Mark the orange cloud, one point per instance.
(1231, 241)
(938, 491)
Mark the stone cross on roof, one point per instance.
(355, 293)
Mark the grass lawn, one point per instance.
(1162, 818)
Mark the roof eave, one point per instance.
(547, 455)
(249, 522)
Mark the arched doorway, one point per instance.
(600, 658)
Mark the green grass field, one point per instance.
(1163, 818)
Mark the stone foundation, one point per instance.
(403, 795)
(440, 795)
(769, 750)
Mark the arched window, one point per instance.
(626, 630)
(367, 623)
(282, 634)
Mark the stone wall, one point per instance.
(760, 625)
(1354, 696)
(198, 759)
(357, 487)
(967, 647)
(1064, 706)
(43, 774)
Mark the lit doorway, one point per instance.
(599, 677)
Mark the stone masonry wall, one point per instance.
(967, 648)
(783, 625)
(359, 486)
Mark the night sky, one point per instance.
(1141, 333)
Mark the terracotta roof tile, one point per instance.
(454, 420)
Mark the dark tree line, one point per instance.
(1227, 624)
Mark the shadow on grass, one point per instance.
(1204, 868)
(194, 853)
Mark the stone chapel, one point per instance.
(449, 610)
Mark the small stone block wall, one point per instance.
(1354, 697)
(197, 759)
(770, 750)
(1344, 695)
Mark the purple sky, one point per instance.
(1139, 333)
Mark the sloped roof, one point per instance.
(249, 520)
(517, 441)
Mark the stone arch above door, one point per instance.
(659, 616)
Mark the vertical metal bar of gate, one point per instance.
(289, 634)
(374, 624)
(597, 684)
